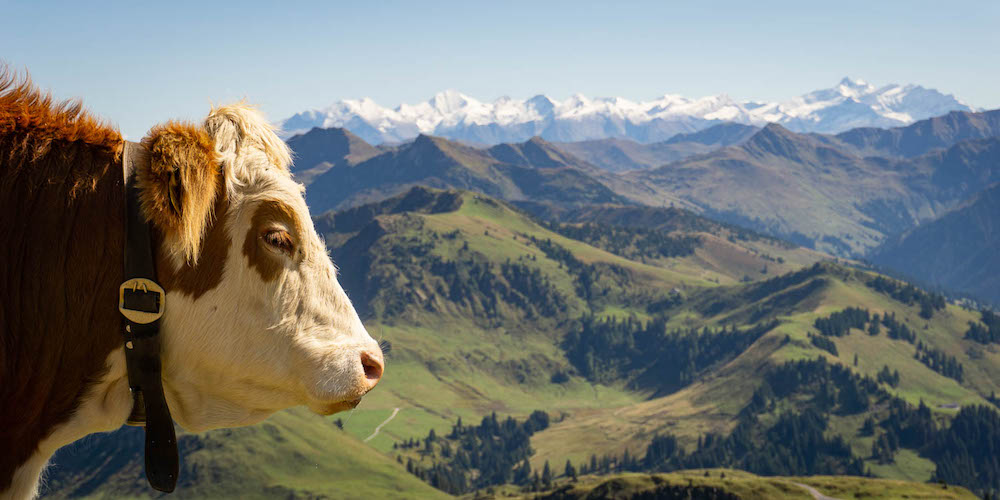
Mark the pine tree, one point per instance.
(547, 475)
(570, 471)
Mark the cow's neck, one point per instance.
(104, 408)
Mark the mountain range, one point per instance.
(845, 194)
(850, 104)
(841, 193)
(532, 170)
(819, 190)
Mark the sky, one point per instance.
(139, 65)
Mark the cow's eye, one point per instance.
(280, 240)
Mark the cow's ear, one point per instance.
(178, 190)
(237, 128)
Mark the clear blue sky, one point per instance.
(141, 64)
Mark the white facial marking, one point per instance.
(278, 330)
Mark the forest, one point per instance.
(648, 355)
(765, 441)
(633, 243)
(988, 331)
(909, 295)
(496, 450)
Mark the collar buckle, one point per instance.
(141, 300)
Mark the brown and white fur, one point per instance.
(255, 320)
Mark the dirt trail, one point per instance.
(814, 492)
(379, 428)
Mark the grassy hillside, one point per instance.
(294, 454)
(467, 352)
(712, 403)
(467, 357)
(731, 253)
(746, 486)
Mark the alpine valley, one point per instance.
(673, 299)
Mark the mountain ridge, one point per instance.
(779, 181)
(849, 104)
(507, 171)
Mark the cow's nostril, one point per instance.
(372, 366)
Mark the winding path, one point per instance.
(814, 492)
(379, 428)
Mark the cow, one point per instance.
(254, 320)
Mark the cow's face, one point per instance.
(255, 320)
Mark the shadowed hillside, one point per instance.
(923, 136)
(439, 163)
(959, 251)
(815, 191)
(320, 150)
(619, 155)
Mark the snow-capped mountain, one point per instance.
(850, 104)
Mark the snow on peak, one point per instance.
(854, 83)
(451, 101)
(851, 103)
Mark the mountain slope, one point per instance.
(322, 149)
(507, 172)
(715, 483)
(535, 152)
(293, 454)
(924, 135)
(849, 104)
(399, 269)
(726, 252)
(782, 183)
(715, 402)
(474, 297)
(959, 251)
(618, 155)
(816, 192)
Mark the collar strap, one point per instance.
(141, 301)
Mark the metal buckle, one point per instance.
(142, 285)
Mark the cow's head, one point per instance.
(255, 320)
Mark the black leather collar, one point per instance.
(141, 302)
